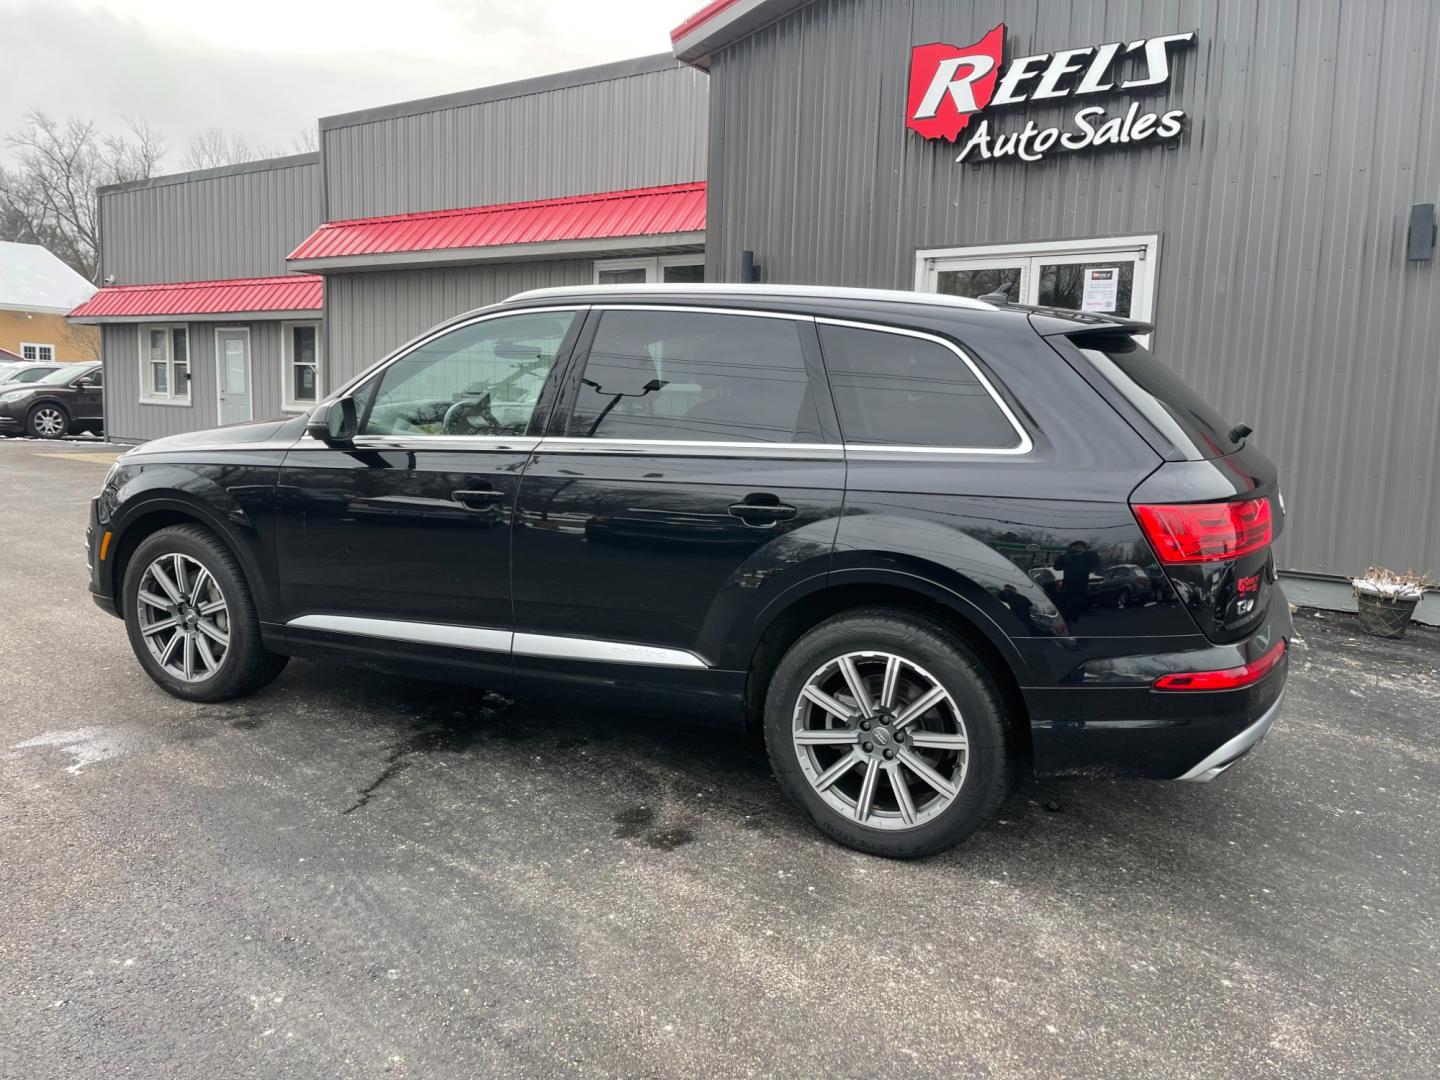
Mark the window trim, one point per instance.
(287, 360)
(1026, 444)
(654, 265)
(37, 359)
(149, 397)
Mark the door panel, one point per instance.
(695, 477)
(232, 375)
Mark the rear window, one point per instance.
(1178, 413)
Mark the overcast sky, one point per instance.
(266, 69)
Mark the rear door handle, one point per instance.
(478, 500)
(767, 512)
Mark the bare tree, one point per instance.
(213, 147)
(48, 196)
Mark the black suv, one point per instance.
(815, 510)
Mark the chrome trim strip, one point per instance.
(1026, 445)
(696, 448)
(504, 641)
(1227, 753)
(614, 652)
(458, 637)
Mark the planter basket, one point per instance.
(1384, 617)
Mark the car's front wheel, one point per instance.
(47, 421)
(889, 732)
(191, 618)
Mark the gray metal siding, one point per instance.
(1284, 295)
(369, 315)
(637, 131)
(226, 223)
(130, 420)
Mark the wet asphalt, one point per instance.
(353, 874)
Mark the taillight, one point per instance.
(1206, 532)
(1229, 678)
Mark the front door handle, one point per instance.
(483, 499)
(762, 509)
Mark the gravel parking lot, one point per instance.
(353, 874)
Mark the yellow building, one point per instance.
(36, 291)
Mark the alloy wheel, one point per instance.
(48, 422)
(183, 617)
(880, 740)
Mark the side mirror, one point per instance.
(334, 425)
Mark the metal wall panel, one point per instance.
(367, 316)
(634, 131)
(1284, 294)
(233, 222)
(129, 420)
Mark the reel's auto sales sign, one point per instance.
(950, 87)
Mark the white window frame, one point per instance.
(172, 396)
(1143, 249)
(37, 346)
(287, 359)
(653, 266)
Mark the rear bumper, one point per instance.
(1120, 726)
(1231, 751)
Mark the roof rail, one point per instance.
(733, 289)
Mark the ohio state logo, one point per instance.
(950, 86)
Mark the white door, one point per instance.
(232, 374)
(1111, 276)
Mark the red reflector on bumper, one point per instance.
(1230, 678)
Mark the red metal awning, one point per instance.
(536, 228)
(290, 294)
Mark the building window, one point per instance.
(302, 365)
(33, 351)
(165, 365)
(666, 270)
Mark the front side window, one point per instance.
(695, 377)
(301, 345)
(481, 379)
(32, 351)
(165, 364)
(897, 390)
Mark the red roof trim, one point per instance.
(231, 296)
(656, 211)
(704, 15)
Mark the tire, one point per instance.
(47, 421)
(217, 600)
(1122, 598)
(971, 709)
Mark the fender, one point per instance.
(201, 498)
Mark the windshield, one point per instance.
(64, 374)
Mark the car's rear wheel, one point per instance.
(889, 732)
(47, 421)
(191, 618)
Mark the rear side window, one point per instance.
(897, 390)
(1178, 413)
(695, 377)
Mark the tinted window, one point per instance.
(481, 379)
(1180, 414)
(695, 377)
(62, 375)
(896, 390)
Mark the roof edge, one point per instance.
(722, 23)
(289, 161)
(589, 247)
(560, 80)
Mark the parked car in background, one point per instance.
(61, 402)
(784, 505)
(1121, 586)
(25, 371)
